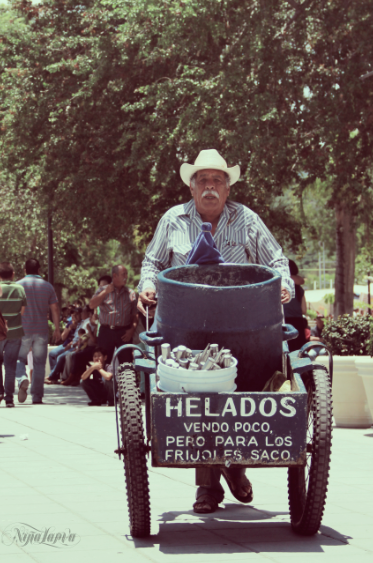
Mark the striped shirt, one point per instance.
(241, 237)
(40, 296)
(118, 308)
(11, 303)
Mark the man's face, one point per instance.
(99, 357)
(120, 279)
(210, 192)
(85, 314)
(320, 323)
(77, 317)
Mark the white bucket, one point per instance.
(178, 379)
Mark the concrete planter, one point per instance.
(350, 404)
(364, 366)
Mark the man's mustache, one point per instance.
(210, 192)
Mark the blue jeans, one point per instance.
(39, 346)
(10, 349)
(53, 355)
(59, 367)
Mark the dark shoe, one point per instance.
(38, 403)
(22, 392)
(92, 404)
(9, 404)
(1, 397)
(205, 504)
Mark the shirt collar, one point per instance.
(32, 276)
(190, 210)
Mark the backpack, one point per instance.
(3, 328)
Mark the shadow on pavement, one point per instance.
(6, 436)
(61, 395)
(235, 529)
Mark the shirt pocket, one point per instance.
(180, 247)
(234, 251)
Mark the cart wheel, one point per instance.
(308, 485)
(135, 467)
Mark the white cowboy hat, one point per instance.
(209, 159)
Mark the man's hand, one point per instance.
(109, 288)
(147, 298)
(91, 369)
(127, 336)
(68, 346)
(56, 335)
(285, 295)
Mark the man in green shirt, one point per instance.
(12, 306)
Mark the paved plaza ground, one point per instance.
(58, 471)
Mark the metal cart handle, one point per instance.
(289, 332)
(151, 338)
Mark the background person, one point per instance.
(71, 334)
(66, 337)
(99, 387)
(316, 336)
(295, 309)
(118, 314)
(80, 359)
(13, 302)
(40, 298)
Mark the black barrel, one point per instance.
(235, 306)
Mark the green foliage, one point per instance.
(101, 101)
(349, 336)
(80, 257)
(311, 314)
(363, 265)
(329, 298)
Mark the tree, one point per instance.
(101, 106)
(80, 257)
(339, 118)
(102, 102)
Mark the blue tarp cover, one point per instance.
(204, 249)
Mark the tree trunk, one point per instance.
(345, 270)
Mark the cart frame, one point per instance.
(305, 422)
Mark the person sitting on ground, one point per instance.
(99, 388)
(65, 314)
(76, 363)
(71, 329)
(83, 340)
(66, 337)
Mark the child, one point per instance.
(83, 340)
(99, 388)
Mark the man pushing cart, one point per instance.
(224, 286)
